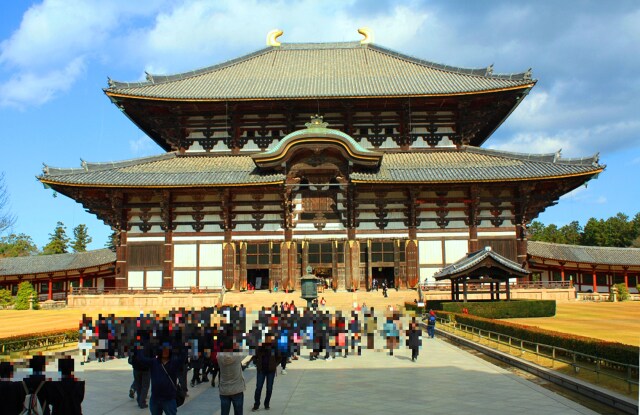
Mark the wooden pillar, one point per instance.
(241, 275)
(50, 296)
(453, 290)
(411, 259)
(595, 279)
(304, 263)
(521, 243)
(472, 217)
(81, 281)
(498, 290)
(562, 271)
(167, 269)
(626, 276)
(464, 288)
(121, 262)
(508, 290)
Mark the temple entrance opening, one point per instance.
(384, 274)
(258, 278)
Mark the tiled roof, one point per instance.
(44, 264)
(316, 70)
(168, 170)
(584, 254)
(472, 259)
(468, 164)
(471, 164)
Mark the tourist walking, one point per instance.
(231, 384)
(414, 339)
(139, 389)
(164, 370)
(431, 324)
(266, 360)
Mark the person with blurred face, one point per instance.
(266, 359)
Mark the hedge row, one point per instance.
(18, 343)
(617, 352)
(504, 309)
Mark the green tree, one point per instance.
(23, 298)
(6, 218)
(58, 241)
(112, 242)
(593, 234)
(17, 245)
(81, 238)
(535, 231)
(6, 299)
(572, 233)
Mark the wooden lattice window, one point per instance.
(320, 253)
(145, 256)
(381, 251)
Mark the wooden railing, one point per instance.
(142, 290)
(446, 285)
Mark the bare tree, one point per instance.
(6, 218)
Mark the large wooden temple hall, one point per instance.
(358, 161)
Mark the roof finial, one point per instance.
(368, 35)
(272, 36)
(110, 82)
(316, 122)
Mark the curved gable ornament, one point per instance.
(315, 136)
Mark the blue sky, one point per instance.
(56, 55)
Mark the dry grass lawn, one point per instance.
(17, 322)
(619, 322)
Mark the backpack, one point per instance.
(31, 404)
(432, 321)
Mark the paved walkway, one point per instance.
(445, 380)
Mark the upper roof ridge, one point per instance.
(484, 72)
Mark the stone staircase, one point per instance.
(341, 300)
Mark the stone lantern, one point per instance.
(309, 286)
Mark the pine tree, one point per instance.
(112, 242)
(24, 295)
(58, 241)
(81, 238)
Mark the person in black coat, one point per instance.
(12, 393)
(164, 372)
(33, 381)
(414, 339)
(67, 393)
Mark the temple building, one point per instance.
(358, 161)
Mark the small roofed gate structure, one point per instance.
(481, 268)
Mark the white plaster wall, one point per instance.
(154, 279)
(184, 255)
(430, 252)
(135, 279)
(210, 255)
(211, 278)
(454, 250)
(184, 279)
(426, 274)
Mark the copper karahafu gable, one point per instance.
(318, 138)
(320, 70)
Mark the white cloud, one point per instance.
(38, 88)
(196, 34)
(143, 146)
(55, 42)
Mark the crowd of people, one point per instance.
(219, 343)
